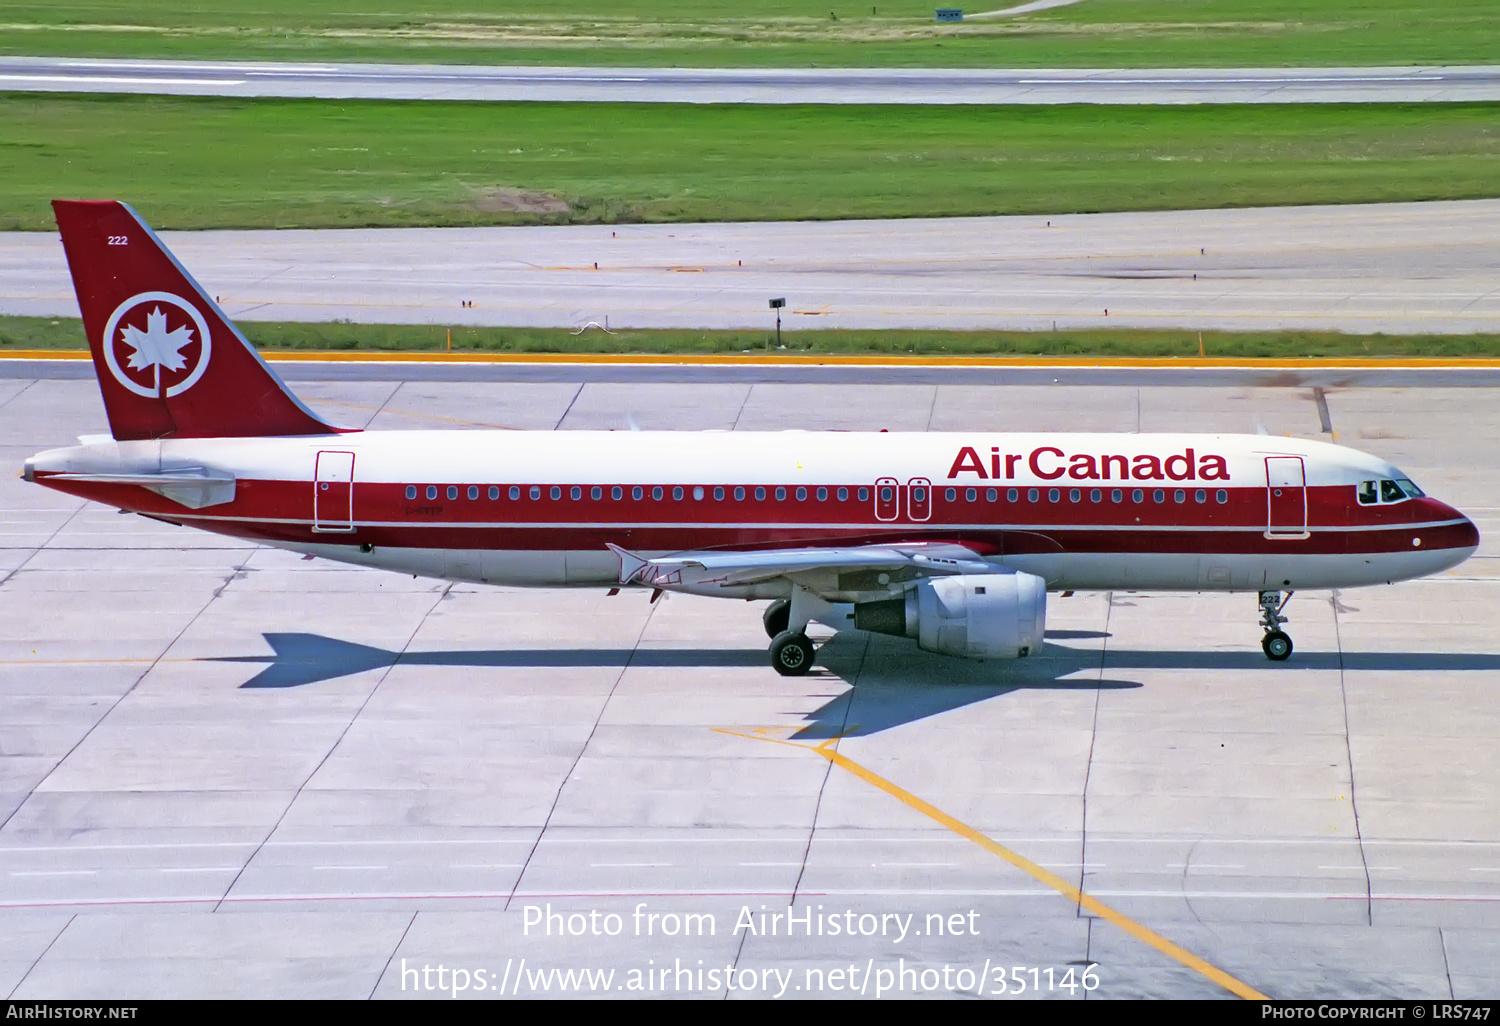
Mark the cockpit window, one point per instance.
(1390, 490)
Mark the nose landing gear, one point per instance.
(1276, 644)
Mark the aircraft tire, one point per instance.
(791, 654)
(1277, 646)
(776, 617)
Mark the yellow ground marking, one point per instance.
(842, 360)
(1022, 863)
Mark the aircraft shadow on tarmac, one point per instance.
(892, 682)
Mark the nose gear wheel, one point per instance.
(1277, 644)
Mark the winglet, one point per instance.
(631, 565)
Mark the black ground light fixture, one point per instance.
(777, 304)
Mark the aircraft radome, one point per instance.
(951, 539)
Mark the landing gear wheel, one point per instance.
(791, 654)
(1277, 645)
(776, 617)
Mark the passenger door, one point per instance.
(1286, 497)
(333, 492)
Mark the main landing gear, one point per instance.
(1276, 643)
(791, 652)
(777, 615)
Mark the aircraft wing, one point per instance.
(821, 570)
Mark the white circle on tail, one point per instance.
(164, 341)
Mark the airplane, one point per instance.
(952, 539)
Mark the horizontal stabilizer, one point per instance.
(193, 487)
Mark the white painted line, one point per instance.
(56, 872)
(204, 869)
(88, 80)
(1210, 82)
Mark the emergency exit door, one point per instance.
(919, 499)
(887, 498)
(333, 492)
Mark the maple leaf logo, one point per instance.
(156, 346)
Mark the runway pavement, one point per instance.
(1404, 267)
(229, 771)
(1413, 84)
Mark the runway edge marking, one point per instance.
(1057, 883)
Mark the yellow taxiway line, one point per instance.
(1057, 883)
(842, 360)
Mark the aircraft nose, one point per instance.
(1469, 532)
(1462, 534)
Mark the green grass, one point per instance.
(216, 163)
(1162, 33)
(67, 333)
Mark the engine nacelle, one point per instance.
(977, 616)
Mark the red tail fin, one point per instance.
(169, 361)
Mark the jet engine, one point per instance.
(977, 616)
